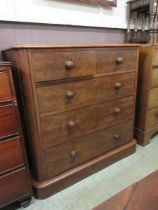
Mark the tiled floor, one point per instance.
(95, 189)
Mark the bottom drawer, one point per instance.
(14, 186)
(151, 119)
(68, 155)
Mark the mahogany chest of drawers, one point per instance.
(80, 105)
(146, 120)
(15, 183)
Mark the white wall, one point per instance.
(62, 12)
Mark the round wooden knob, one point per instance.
(116, 136)
(117, 110)
(73, 153)
(69, 65)
(119, 60)
(15, 103)
(118, 85)
(71, 124)
(69, 94)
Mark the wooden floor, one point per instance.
(142, 195)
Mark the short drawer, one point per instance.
(68, 155)
(153, 98)
(53, 65)
(14, 186)
(56, 98)
(5, 90)
(116, 59)
(11, 155)
(154, 80)
(8, 121)
(151, 119)
(59, 128)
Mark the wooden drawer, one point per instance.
(151, 119)
(153, 98)
(155, 56)
(8, 121)
(116, 59)
(11, 155)
(14, 186)
(68, 155)
(5, 90)
(154, 80)
(54, 65)
(59, 128)
(67, 96)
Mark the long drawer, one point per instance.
(68, 155)
(5, 90)
(153, 98)
(11, 155)
(14, 186)
(59, 128)
(151, 119)
(53, 65)
(116, 59)
(56, 98)
(8, 121)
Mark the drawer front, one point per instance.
(54, 65)
(68, 155)
(14, 186)
(67, 96)
(5, 90)
(153, 98)
(154, 81)
(155, 56)
(115, 60)
(59, 128)
(8, 121)
(11, 155)
(151, 119)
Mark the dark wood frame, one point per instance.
(112, 3)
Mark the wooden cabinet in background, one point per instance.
(80, 104)
(146, 120)
(15, 183)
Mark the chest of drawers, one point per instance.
(146, 121)
(15, 184)
(80, 105)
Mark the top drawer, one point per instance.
(116, 59)
(54, 65)
(5, 90)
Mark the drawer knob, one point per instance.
(69, 65)
(69, 94)
(117, 110)
(15, 103)
(73, 153)
(119, 60)
(116, 136)
(118, 85)
(71, 124)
